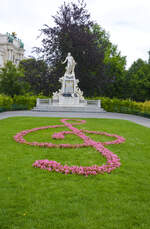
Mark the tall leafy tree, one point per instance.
(37, 74)
(75, 32)
(138, 80)
(12, 80)
(114, 67)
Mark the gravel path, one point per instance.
(133, 118)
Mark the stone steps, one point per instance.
(84, 109)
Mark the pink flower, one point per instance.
(112, 160)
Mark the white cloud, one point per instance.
(128, 25)
(126, 21)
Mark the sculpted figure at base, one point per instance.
(70, 64)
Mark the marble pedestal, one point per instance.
(69, 94)
(68, 101)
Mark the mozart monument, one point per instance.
(69, 94)
(69, 97)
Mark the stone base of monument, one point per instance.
(68, 101)
(68, 104)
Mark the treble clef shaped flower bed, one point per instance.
(112, 162)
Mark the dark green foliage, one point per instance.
(114, 68)
(90, 46)
(12, 80)
(37, 74)
(138, 81)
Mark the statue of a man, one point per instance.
(70, 64)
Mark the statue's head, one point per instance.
(69, 53)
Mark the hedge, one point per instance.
(125, 106)
(27, 102)
(5, 103)
(21, 102)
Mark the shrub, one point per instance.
(23, 102)
(19, 102)
(126, 106)
(27, 102)
(146, 107)
(5, 102)
(12, 80)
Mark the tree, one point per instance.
(11, 80)
(138, 81)
(88, 43)
(149, 57)
(37, 74)
(114, 67)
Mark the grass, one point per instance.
(31, 198)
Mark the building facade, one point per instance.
(11, 49)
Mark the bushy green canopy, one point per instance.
(12, 80)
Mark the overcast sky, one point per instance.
(128, 22)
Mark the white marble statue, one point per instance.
(70, 64)
(69, 94)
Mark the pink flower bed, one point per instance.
(112, 159)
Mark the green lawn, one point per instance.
(31, 198)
